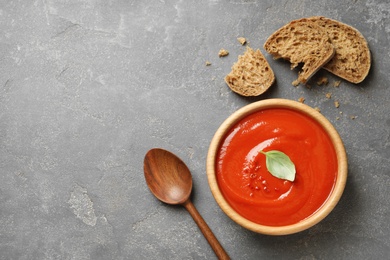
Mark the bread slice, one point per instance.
(251, 75)
(352, 60)
(301, 41)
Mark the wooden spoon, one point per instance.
(170, 180)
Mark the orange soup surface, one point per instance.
(252, 191)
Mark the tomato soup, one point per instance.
(257, 195)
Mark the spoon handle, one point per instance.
(208, 234)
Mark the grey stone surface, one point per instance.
(87, 87)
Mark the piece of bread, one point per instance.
(301, 41)
(251, 75)
(352, 59)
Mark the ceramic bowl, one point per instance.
(323, 211)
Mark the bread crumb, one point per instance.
(337, 104)
(295, 83)
(317, 109)
(337, 118)
(322, 81)
(241, 40)
(208, 63)
(328, 95)
(223, 53)
(301, 99)
(336, 84)
(353, 117)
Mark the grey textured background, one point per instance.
(87, 87)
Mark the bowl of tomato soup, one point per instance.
(240, 179)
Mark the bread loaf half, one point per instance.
(251, 75)
(301, 41)
(352, 60)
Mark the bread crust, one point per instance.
(352, 60)
(301, 41)
(251, 75)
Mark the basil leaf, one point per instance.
(280, 165)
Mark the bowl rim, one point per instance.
(316, 217)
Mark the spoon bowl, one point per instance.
(170, 180)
